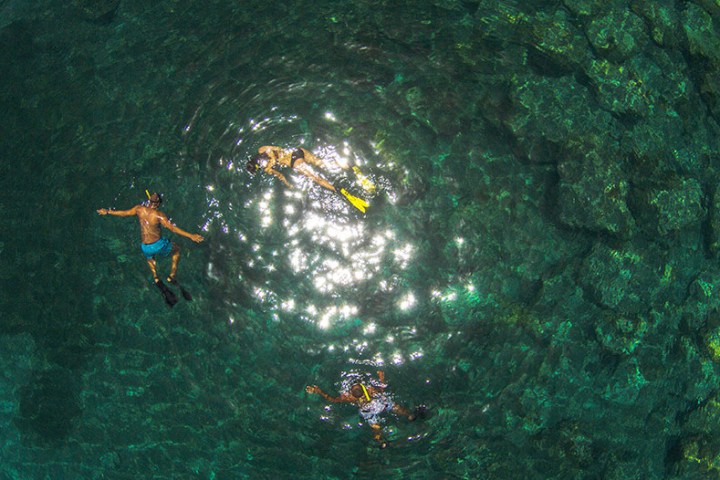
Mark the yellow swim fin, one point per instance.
(356, 202)
(364, 181)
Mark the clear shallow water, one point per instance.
(460, 282)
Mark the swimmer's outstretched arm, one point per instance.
(175, 229)
(269, 170)
(344, 398)
(118, 213)
(378, 389)
(383, 385)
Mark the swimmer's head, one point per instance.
(257, 162)
(154, 200)
(357, 391)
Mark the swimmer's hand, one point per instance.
(196, 238)
(312, 389)
(102, 211)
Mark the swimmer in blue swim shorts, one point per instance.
(154, 245)
(372, 402)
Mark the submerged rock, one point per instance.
(699, 457)
(621, 334)
(676, 205)
(710, 88)
(621, 89)
(714, 213)
(617, 35)
(626, 383)
(593, 193)
(547, 114)
(557, 38)
(697, 453)
(661, 149)
(100, 11)
(588, 7)
(703, 300)
(702, 36)
(626, 280)
(663, 20)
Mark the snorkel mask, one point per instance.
(154, 199)
(254, 165)
(365, 392)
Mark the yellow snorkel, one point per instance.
(147, 193)
(365, 392)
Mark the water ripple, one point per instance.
(301, 254)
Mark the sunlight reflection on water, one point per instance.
(305, 254)
(333, 253)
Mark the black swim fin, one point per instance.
(421, 412)
(186, 295)
(168, 294)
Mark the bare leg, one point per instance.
(312, 159)
(316, 179)
(153, 268)
(175, 260)
(316, 162)
(400, 410)
(377, 435)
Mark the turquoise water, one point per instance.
(537, 264)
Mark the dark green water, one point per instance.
(537, 266)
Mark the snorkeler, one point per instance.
(371, 401)
(154, 245)
(298, 159)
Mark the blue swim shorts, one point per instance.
(161, 248)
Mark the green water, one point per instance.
(550, 336)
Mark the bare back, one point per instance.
(276, 156)
(280, 156)
(150, 221)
